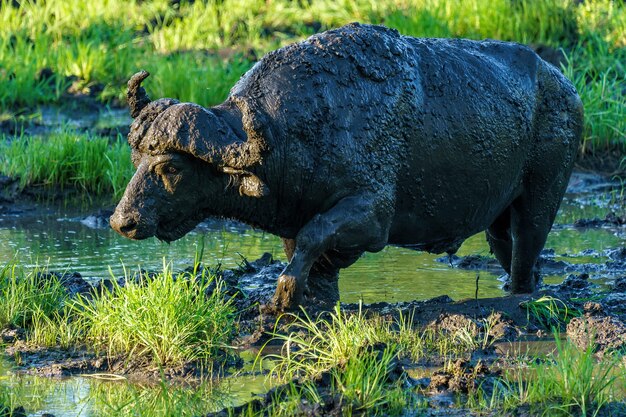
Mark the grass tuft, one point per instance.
(364, 380)
(549, 312)
(162, 319)
(359, 353)
(572, 382)
(313, 347)
(166, 319)
(26, 298)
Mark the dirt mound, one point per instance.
(596, 329)
(461, 376)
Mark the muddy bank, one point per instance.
(437, 390)
(77, 109)
(252, 285)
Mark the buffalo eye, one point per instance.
(167, 169)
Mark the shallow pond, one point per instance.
(107, 395)
(55, 236)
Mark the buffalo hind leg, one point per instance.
(353, 224)
(499, 239)
(556, 135)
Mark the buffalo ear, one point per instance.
(252, 186)
(249, 184)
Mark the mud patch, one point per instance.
(548, 264)
(253, 283)
(461, 376)
(610, 220)
(80, 112)
(598, 331)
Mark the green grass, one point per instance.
(364, 383)
(207, 79)
(358, 352)
(25, 297)
(549, 312)
(604, 101)
(166, 319)
(570, 383)
(196, 50)
(68, 159)
(314, 346)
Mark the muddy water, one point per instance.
(58, 239)
(106, 395)
(55, 236)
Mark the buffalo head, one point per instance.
(187, 158)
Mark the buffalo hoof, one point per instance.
(288, 295)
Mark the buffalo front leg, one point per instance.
(354, 224)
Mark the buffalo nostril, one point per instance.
(128, 227)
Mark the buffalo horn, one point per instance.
(136, 95)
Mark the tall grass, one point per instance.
(163, 319)
(189, 45)
(316, 346)
(602, 92)
(364, 380)
(63, 159)
(167, 319)
(26, 296)
(207, 79)
(530, 21)
(358, 353)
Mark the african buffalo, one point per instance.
(357, 138)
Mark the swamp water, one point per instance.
(60, 239)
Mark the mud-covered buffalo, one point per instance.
(357, 138)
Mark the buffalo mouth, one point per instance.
(132, 225)
(169, 231)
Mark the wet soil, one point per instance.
(252, 285)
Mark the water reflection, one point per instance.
(90, 397)
(55, 236)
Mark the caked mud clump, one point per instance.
(613, 265)
(460, 376)
(596, 330)
(453, 323)
(611, 219)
